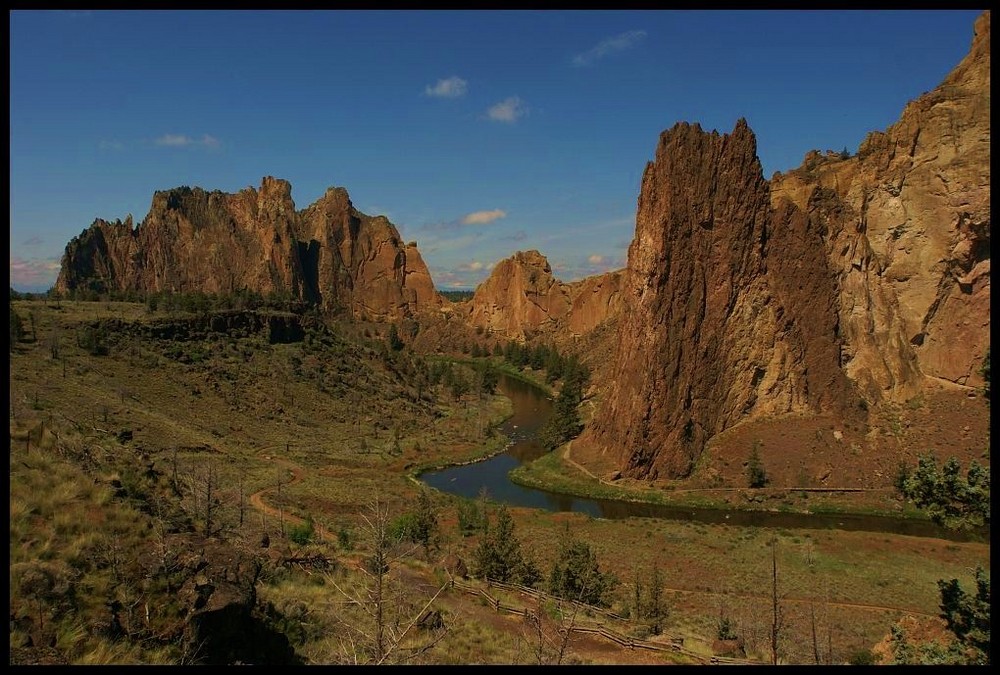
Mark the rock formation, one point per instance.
(846, 277)
(729, 310)
(192, 240)
(522, 298)
(909, 234)
(595, 300)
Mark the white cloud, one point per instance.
(595, 259)
(174, 140)
(452, 87)
(613, 44)
(508, 110)
(111, 145)
(483, 217)
(183, 141)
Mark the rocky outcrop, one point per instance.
(521, 298)
(594, 300)
(276, 327)
(850, 276)
(329, 254)
(359, 262)
(909, 234)
(729, 312)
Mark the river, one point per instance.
(532, 408)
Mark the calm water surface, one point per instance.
(532, 408)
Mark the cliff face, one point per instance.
(729, 310)
(596, 299)
(522, 298)
(909, 220)
(846, 277)
(360, 262)
(192, 240)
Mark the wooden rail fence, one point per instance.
(675, 645)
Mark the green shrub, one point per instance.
(302, 534)
(862, 657)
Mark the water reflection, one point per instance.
(532, 408)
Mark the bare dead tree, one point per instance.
(211, 480)
(539, 643)
(242, 501)
(776, 614)
(636, 594)
(281, 513)
(173, 480)
(812, 621)
(380, 640)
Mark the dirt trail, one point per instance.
(257, 499)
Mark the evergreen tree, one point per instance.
(564, 423)
(489, 381)
(576, 575)
(498, 556)
(756, 475)
(968, 616)
(656, 609)
(950, 499)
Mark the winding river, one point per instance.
(531, 410)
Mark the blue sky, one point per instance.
(478, 133)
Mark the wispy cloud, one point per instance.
(452, 87)
(474, 218)
(574, 270)
(32, 241)
(33, 272)
(443, 243)
(111, 145)
(183, 141)
(608, 46)
(483, 217)
(463, 275)
(508, 110)
(520, 235)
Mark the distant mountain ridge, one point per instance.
(329, 253)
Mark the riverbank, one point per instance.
(558, 472)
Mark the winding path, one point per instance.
(257, 498)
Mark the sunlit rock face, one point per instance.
(213, 242)
(728, 308)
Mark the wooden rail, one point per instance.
(675, 645)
